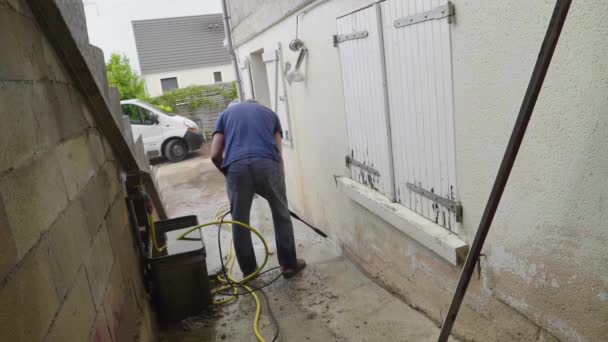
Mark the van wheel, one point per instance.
(176, 150)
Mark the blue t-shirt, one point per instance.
(248, 130)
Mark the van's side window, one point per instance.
(137, 114)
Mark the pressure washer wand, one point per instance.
(317, 230)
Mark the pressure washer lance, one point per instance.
(317, 230)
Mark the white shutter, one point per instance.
(419, 76)
(278, 96)
(247, 86)
(360, 43)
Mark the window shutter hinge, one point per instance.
(339, 38)
(350, 161)
(450, 204)
(445, 11)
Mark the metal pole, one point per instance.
(519, 130)
(228, 33)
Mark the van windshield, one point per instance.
(138, 115)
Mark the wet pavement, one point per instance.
(331, 300)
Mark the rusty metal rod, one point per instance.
(519, 130)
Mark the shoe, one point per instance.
(289, 272)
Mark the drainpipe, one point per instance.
(228, 32)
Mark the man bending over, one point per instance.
(246, 148)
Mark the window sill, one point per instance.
(431, 235)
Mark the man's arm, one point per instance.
(217, 150)
(278, 140)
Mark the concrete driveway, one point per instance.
(330, 301)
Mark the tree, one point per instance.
(121, 75)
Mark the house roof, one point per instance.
(180, 43)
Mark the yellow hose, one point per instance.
(231, 259)
(258, 311)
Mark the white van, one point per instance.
(169, 136)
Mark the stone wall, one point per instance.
(68, 265)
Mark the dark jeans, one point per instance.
(265, 177)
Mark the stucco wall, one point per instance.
(544, 273)
(249, 18)
(188, 77)
(68, 266)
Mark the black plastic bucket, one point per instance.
(180, 285)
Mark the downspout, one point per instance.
(228, 32)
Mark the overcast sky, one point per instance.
(109, 21)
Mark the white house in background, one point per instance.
(178, 52)
(396, 130)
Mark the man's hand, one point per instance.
(278, 140)
(217, 150)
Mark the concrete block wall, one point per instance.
(68, 265)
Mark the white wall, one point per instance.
(199, 76)
(546, 264)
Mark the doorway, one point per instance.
(260, 78)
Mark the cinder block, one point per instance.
(147, 328)
(33, 196)
(126, 253)
(69, 244)
(125, 316)
(114, 300)
(114, 180)
(21, 56)
(11, 65)
(78, 163)
(115, 107)
(99, 265)
(57, 70)
(96, 62)
(57, 108)
(8, 249)
(96, 146)
(86, 111)
(101, 330)
(18, 135)
(95, 200)
(21, 7)
(117, 219)
(108, 149)
(28, 300)
(74, 16)
(77, 314)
